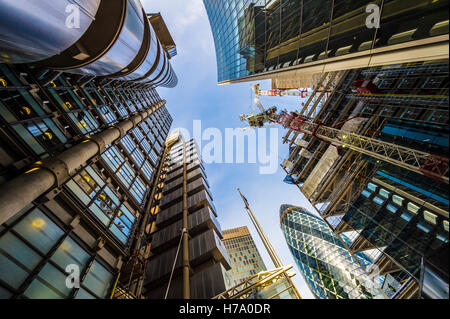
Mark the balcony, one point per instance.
(174, 174)
(196, 173)
(200, 221)
(173, 185)
(194, 164)
(196, 186)
(200, 284)
(171, 198)
(174, 166)
(201, 199)
(202, 248)
(172, 213)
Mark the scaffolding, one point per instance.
(270, 284)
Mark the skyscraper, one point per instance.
(185, 246)
(326, 265)
(81, 139)
(381, 178)
(269, 284)
(243, 254)
(288, 41)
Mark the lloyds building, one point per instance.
(82, 134)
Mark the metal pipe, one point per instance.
(115, 286)
(63, 36)
(33, 30)
(53, 172)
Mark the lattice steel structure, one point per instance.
(386, 127)
(270, 284)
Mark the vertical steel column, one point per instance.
(147, 215)
(276, 261)
(186, 265)
(273, 255)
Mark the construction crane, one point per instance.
(303, 93)
(431, 165)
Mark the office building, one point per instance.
(244, 256)
(81, 140)
(290, 41)
(376, 168)
(267, 284)
(189, 264)
(326, 265)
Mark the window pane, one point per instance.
(69, 253)
(78, 191)
(39, 230)
(98, 280)
(83, 294)
(378, 200)
(50, 284)
(4, 294)
(384, 193)
(397, 199)
(413, 208)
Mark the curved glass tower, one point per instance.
(326, 265)
(261, 39)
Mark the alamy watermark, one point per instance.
(373, 19)
(73, 17)
(73, 279)
(236, 146)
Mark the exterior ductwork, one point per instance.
(111, 39)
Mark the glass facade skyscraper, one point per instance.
(396, 216)
(243, 254)
(257, 37)
(324, 262)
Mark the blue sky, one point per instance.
(198, 97)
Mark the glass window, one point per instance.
(398, 200)
(21, 260)
(83, 294)
(406, 216)
(70, 253)
(422, 226)
(378, 200)
(4, 294)
(372, 187)
(78, 192)
(98, 280)
(392, 208)
(50, 284)
(430, 217)
(384, 193)
(365, 193)
(413, 208)
(39, 230)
